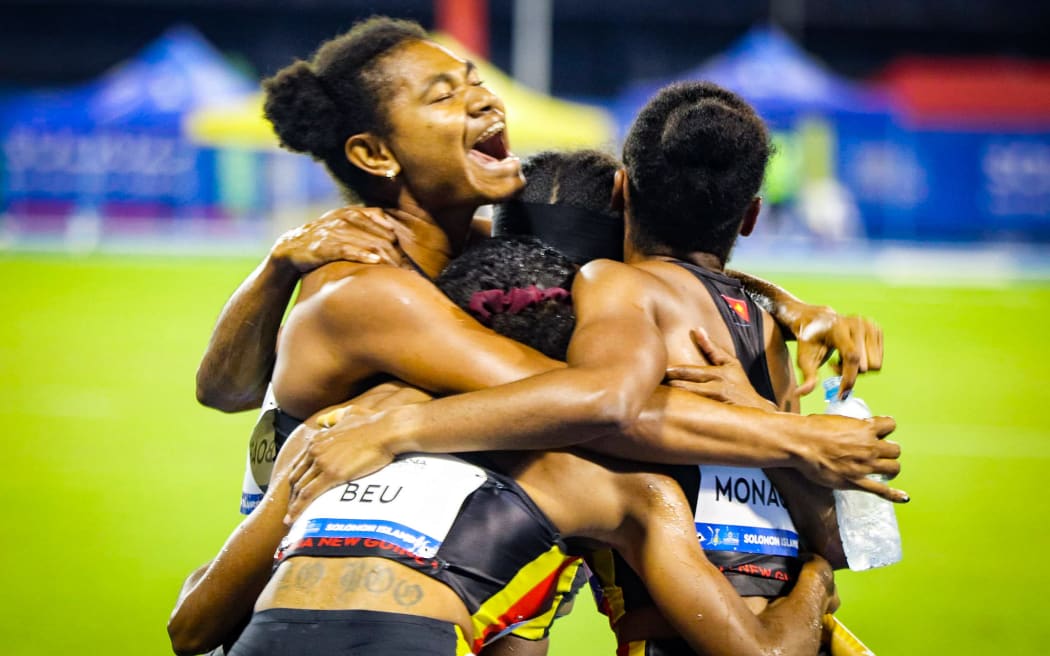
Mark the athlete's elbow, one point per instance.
(211, 392)
(185, 641)
(187, 648)
(221, 402)
(209, 398)
(615, 410)
(218, 396)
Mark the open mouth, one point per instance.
(491, 145)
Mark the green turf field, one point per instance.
(118, 483)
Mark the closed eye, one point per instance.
(443, 90)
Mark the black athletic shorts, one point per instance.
(344, 632)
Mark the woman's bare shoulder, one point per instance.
(364, 291)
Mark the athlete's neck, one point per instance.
(633, 255)
(431, 240)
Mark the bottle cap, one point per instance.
(831, 388)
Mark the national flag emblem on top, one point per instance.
(739, 306)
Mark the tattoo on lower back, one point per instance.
(379, 579)
(407, 594)
(375, 578)
(307, 575)
(351, 578)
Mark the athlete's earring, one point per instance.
(391, 174)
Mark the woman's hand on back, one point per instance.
(722, 379)
(334, 456)
(341, 443)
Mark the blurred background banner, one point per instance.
(966, 157)
(781, 80)
(169, 147)
(933, 150)
(110, 161)
(114, 147)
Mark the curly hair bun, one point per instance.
(707, 134)
(695, 159)
(304, 116)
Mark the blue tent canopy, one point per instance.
(177, 73)
(771, 72)
(119, 138)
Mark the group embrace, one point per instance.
(466, 419)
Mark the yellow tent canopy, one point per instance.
(535, 121)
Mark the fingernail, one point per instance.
(905, 499)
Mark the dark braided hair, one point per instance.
(316, 106)
(517, 262)
(695, 158)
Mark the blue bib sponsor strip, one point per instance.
(748, 539)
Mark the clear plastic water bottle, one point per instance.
(867, 522)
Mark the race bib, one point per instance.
(262, 452)
(739, 509)
(409, 505)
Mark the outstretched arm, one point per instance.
(674, 427)
(828, 453)
(240, 354)
(678, 427)
(819, 331)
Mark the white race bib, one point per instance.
(411, 504)
(262, 452)
(739, 509)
